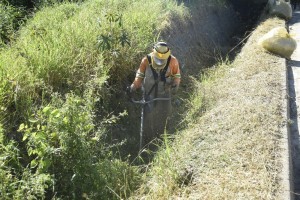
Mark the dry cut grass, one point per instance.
(231, 151)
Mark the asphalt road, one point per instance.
(294, 93)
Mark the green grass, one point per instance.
(58, 98)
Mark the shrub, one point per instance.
(18, 181)
(9, 22)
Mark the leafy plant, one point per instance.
(115, 35)
(18, 181)
(62, 140)
(9, 21)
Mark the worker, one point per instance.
(159, 77)
(159, 68)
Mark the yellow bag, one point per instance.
(279, 41)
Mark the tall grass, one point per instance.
(58, 98)
(203, 96)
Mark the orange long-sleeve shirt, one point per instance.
(173, 72)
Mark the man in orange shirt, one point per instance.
(159, 77)
(159, 67)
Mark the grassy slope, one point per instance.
(55, 60)
(230, 151)
(58, 51)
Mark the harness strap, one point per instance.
(162, 72)
(155, 74)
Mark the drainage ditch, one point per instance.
(208, 35)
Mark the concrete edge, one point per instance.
(286, 174)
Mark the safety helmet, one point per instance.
(161, 53)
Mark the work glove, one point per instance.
(129, 91)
